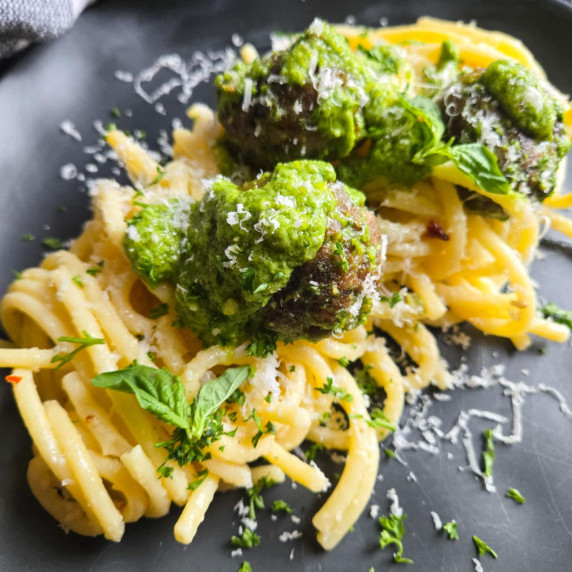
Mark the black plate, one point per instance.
(73, 78)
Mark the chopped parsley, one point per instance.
(247, 539)
(255, 499)
(262, 345)
(488, 453)
(515, 495)
(52, 243)
(160, 174)
(198, 480)
(77, 281)
(237, 397)
(483, 547)
(245, 567)
(344, 361)
(85, 342)
(330, 389)
(451, 529)
(323, 419)
(17, 275)
(559, 315)
(262, 430)
(365, 381)
(159, 311)
(392, 533)
(379, 420)
(310, 453)
(281, 506)
(28, 237)
(115, 112)
(95, 270)
(62, 209)
(390, 453)
(392, 300)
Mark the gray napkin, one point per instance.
(26, 21)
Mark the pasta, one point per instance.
(95, 459)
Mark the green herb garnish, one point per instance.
(330, 389)
(451, 529)
(262, 430)
(281, 506)
(248, 539)
(515, 495)
(197, 424)
(198, 480)
(77, 281)
(392, 300)
(483, 547)
(559, 315)
(489, 453)
(85, 342)
(159, 311)
(255, 499)
(52, 243)
(310, 453)
(379, 420)
(95, 270)
(28, 237)
(245, 567)
(392, 533)
(160, 174)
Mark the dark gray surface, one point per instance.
(73, 79)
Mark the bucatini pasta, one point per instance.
(95, 459)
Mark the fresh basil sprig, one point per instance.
(197, 424)
(480, 164)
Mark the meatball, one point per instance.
(293, 254)
(332, 292)
(492, 107)
(310, 100)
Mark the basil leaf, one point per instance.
(429, 120)
(157, 391)
(213, 394)
(480, 164)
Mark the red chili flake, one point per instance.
(89, 418)
(434, 230)
(15, 379)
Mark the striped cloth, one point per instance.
(26, 21)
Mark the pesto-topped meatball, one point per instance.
(292, 254)
(334, 291)
(507, 109)
(310, 100)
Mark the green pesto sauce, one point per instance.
(153, 240)
(244, 243)
(518, 90)
(318, 87)
(399, 136)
